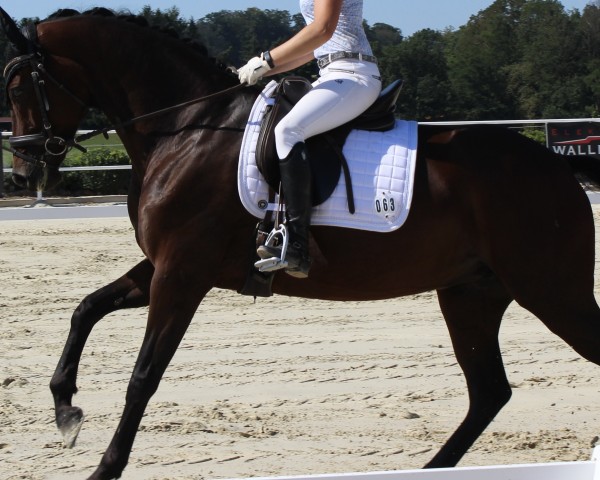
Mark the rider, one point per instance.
(349, 82)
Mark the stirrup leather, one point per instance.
(278, 236)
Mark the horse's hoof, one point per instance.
(69, 421)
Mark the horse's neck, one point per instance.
(124, 79)
(126, 83)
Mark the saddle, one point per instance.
(325, 150)
(325, 154)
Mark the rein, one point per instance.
(104, 131)
(47, 137)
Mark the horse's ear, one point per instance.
(13, 33)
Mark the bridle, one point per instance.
(55, 145)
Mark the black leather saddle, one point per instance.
(325, 150)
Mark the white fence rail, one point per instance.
(516, 123)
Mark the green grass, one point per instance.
(113, 143)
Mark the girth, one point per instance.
(325, 150)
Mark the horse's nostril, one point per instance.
(19, 180)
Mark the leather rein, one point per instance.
(53, 144)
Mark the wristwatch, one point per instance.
(266, 56)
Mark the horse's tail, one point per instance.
(585, 168)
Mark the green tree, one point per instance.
(420, 61)
(381, 36)
(478, 56)
(547, 80)
(236, 36)
(590, 32)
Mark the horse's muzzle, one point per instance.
(38, 177)
(32, 154)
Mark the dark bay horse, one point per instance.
(496, 217)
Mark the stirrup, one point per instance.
(278, 236)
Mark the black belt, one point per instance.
(325, 60)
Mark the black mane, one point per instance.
(128, 17)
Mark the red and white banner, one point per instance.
(581, 138)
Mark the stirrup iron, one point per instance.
(278, 236)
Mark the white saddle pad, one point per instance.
(382, 168)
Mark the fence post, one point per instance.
(2, 177)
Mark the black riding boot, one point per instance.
(296, 184)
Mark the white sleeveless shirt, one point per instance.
(349, 35)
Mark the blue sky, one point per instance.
(409, 16)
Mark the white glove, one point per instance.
(253, 71)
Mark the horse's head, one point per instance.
(47, 101)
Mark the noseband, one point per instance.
(52, 144)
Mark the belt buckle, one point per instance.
(324, 61)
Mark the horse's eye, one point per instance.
(15, 92)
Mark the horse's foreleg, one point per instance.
(174, 300)
(129, 291)
(473, 314)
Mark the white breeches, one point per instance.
(344, 90)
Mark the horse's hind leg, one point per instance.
(558, 285)
(473, 313)
(129, 291)
(571, 312)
